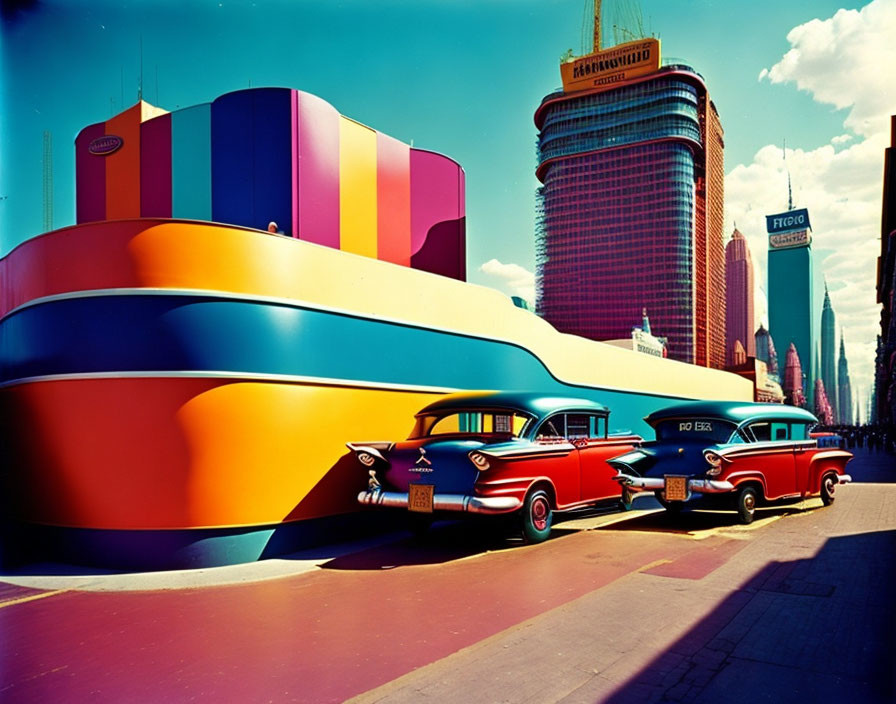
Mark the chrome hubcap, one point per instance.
(829, 486)
(749, 503)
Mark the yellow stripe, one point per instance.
(357, 188)
(33, 597)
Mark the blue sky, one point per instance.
(462, 77)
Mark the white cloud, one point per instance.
(512, 279)
(845, 61)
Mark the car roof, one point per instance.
(531, 402)
(734, 411)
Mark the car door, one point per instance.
(561, 467)
(774, 457)
(596, 476)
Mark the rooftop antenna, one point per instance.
(789, 190)
(596, 44)
(140, 84)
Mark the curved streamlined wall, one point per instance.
(179, 393)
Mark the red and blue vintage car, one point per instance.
(499, 453)
(743, 453)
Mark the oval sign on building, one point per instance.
(105, 145)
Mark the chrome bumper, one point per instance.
(844, 479)
(444, 502)
(700, 486)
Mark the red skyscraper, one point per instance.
(630, 157)
(739, 322)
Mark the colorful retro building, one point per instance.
(630, 210)
(278, 155)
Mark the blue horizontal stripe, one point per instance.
(194, 333)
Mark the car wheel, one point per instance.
(537, 516)
(828, 485)
(671, 506)
(746, 504)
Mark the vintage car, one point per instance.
(741, 453)
(499, 453)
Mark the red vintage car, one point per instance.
(499, 453)
(742, 453)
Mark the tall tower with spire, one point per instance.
(793, 378)
(739, 317)
(844, 388)
(828, 351)
(792, 306)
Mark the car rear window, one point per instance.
(704, 429)
(470, 423)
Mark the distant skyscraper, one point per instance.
(739, 322)
(630, 156)
(844, 388)
(765, 350)
(791, 289)
(828, 351)
(793, 378)
(823, 410)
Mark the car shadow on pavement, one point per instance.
(818, 630)
(445, 541)
(697, 520)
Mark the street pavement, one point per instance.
(639, 607)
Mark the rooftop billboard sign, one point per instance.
(609, 66)
(790, 229)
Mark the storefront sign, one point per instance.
(105, 145)
(610, 66)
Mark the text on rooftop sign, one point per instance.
(615, 65)
(790, 221)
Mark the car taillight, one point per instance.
(715, 462)
(479, 460)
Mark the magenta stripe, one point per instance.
(318, 171)
(90, 176)
(155, 167)
(436, 194)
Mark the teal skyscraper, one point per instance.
(828, 352)
(792, 310)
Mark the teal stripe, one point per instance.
(191, 163)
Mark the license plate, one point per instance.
(676, 488)
(420, 497)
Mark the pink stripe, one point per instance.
(155, 168)
(393, 182)
(318, 171)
